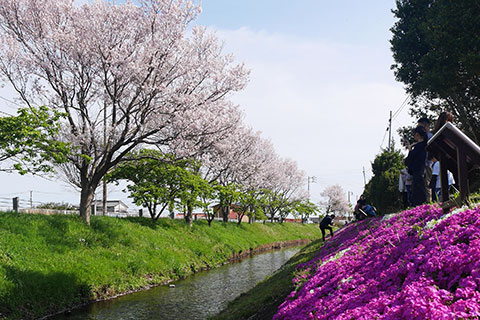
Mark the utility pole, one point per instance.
(390, 132)
(104, 198)
(364, 179)
(31, 199)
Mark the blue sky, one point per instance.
(321, 87)
(350, 21)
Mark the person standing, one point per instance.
(443, 118)
(327, 223)
(435, 184)
(405, 187)
(415, 162)
(425, 123)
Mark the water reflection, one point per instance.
(197, 297)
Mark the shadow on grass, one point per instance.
(55, 231)
(31, 294)
(145, 222)
(34, 227)
(163, 223)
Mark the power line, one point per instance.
(12, 102)
(384, 136)
(397, 113)
(7, 114)
(6, 105)
(392, 118)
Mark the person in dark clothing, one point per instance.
(369, 210)
(360, 204)
(326, 223)
(415, 162)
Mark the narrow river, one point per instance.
(198, 297)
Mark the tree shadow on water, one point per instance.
(32, 294)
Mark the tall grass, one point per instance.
(50, 263)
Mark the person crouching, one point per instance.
(327, 223)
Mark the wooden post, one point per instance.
(104, 199)
(443, 177)
(15, 204)
(462, 174)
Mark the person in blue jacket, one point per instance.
(369, 210)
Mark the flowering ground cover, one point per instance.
(417, 264)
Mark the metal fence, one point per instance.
(31, 207)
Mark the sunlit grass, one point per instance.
(50, 263)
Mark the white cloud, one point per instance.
(325, 105)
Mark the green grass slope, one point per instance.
(51, 263)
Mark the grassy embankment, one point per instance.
(51, 263)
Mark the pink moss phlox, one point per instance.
(396, 268)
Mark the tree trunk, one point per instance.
(188, 214)
(86, 197)
(225, 213)
(89, 184)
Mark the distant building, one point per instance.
(113, 207)
(232, 215)
(314, 220)
(195, 215)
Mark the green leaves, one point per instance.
(29, 139)
(435, 47)
(160, 182)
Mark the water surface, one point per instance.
(197, 297)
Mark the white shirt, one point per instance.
(436, 172)
(404, 180)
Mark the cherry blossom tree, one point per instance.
(336, 199)
(237, 162)
(285, 182)
(125, 75)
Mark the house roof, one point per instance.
(111, 202)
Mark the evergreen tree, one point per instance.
(382, 189)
